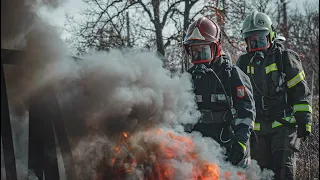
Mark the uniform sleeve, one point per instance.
(241, 90)
(299, 95)
(239, 62)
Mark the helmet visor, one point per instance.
(201, 53)
(257, 41)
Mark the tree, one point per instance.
(308, 157)
(105, 16)
(303, 29)
(104, 26)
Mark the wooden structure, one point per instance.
(45, 123)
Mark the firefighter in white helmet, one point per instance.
(281, 94)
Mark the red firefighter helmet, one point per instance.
(203, 41)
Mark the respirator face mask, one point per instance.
(201, 53)
(257, 43)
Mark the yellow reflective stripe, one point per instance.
(243, 146)
(302, 107)
(271, 67)
(277, 124)
(248, 70)
(294, 81)
(290, 119)
(256, 127)
(308, 127)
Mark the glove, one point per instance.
(303, 130)
(237, 153)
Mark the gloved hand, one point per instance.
(237, 153)
(303, 130)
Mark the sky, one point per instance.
(57, 17)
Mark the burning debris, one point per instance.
(162, 154)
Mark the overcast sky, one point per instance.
(57, 17)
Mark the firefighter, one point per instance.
(222, 91)
(281, 94)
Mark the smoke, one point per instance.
(89, 158)
(131, 91)
(18, 19)
(40, 65)
(22, 28)
(122, 91)
(159, 154)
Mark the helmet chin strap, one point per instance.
(218, 53)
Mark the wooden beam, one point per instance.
(6, 132)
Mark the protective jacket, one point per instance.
(281, 94)
(212, 83)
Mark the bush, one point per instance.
(308, 157)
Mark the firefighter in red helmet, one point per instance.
(223, 92)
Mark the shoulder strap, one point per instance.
(228, 69)
(281, 66)
(281, 49)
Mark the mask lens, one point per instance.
(257, 41)
(200, 52)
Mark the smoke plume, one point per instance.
(23, 29)
(131, 91)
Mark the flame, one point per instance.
(125, 134)
(157, 149)
(117, 150)
(210, 172)
(113, 160)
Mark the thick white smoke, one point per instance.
(130, 91)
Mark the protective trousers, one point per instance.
(274, 152)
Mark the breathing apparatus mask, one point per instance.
(201, 55)
(257, 43)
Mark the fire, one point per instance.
(153, 154)
(210, 172)
(125, 134)
(117, 150)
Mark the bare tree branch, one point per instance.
(146, 10)
(170, 9)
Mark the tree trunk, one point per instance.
(158, 26)
(186, 14)
(128, 29)
(160, 46)
(285, 24)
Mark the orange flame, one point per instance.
(125, 134)
(161, 147)
(117, 150)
